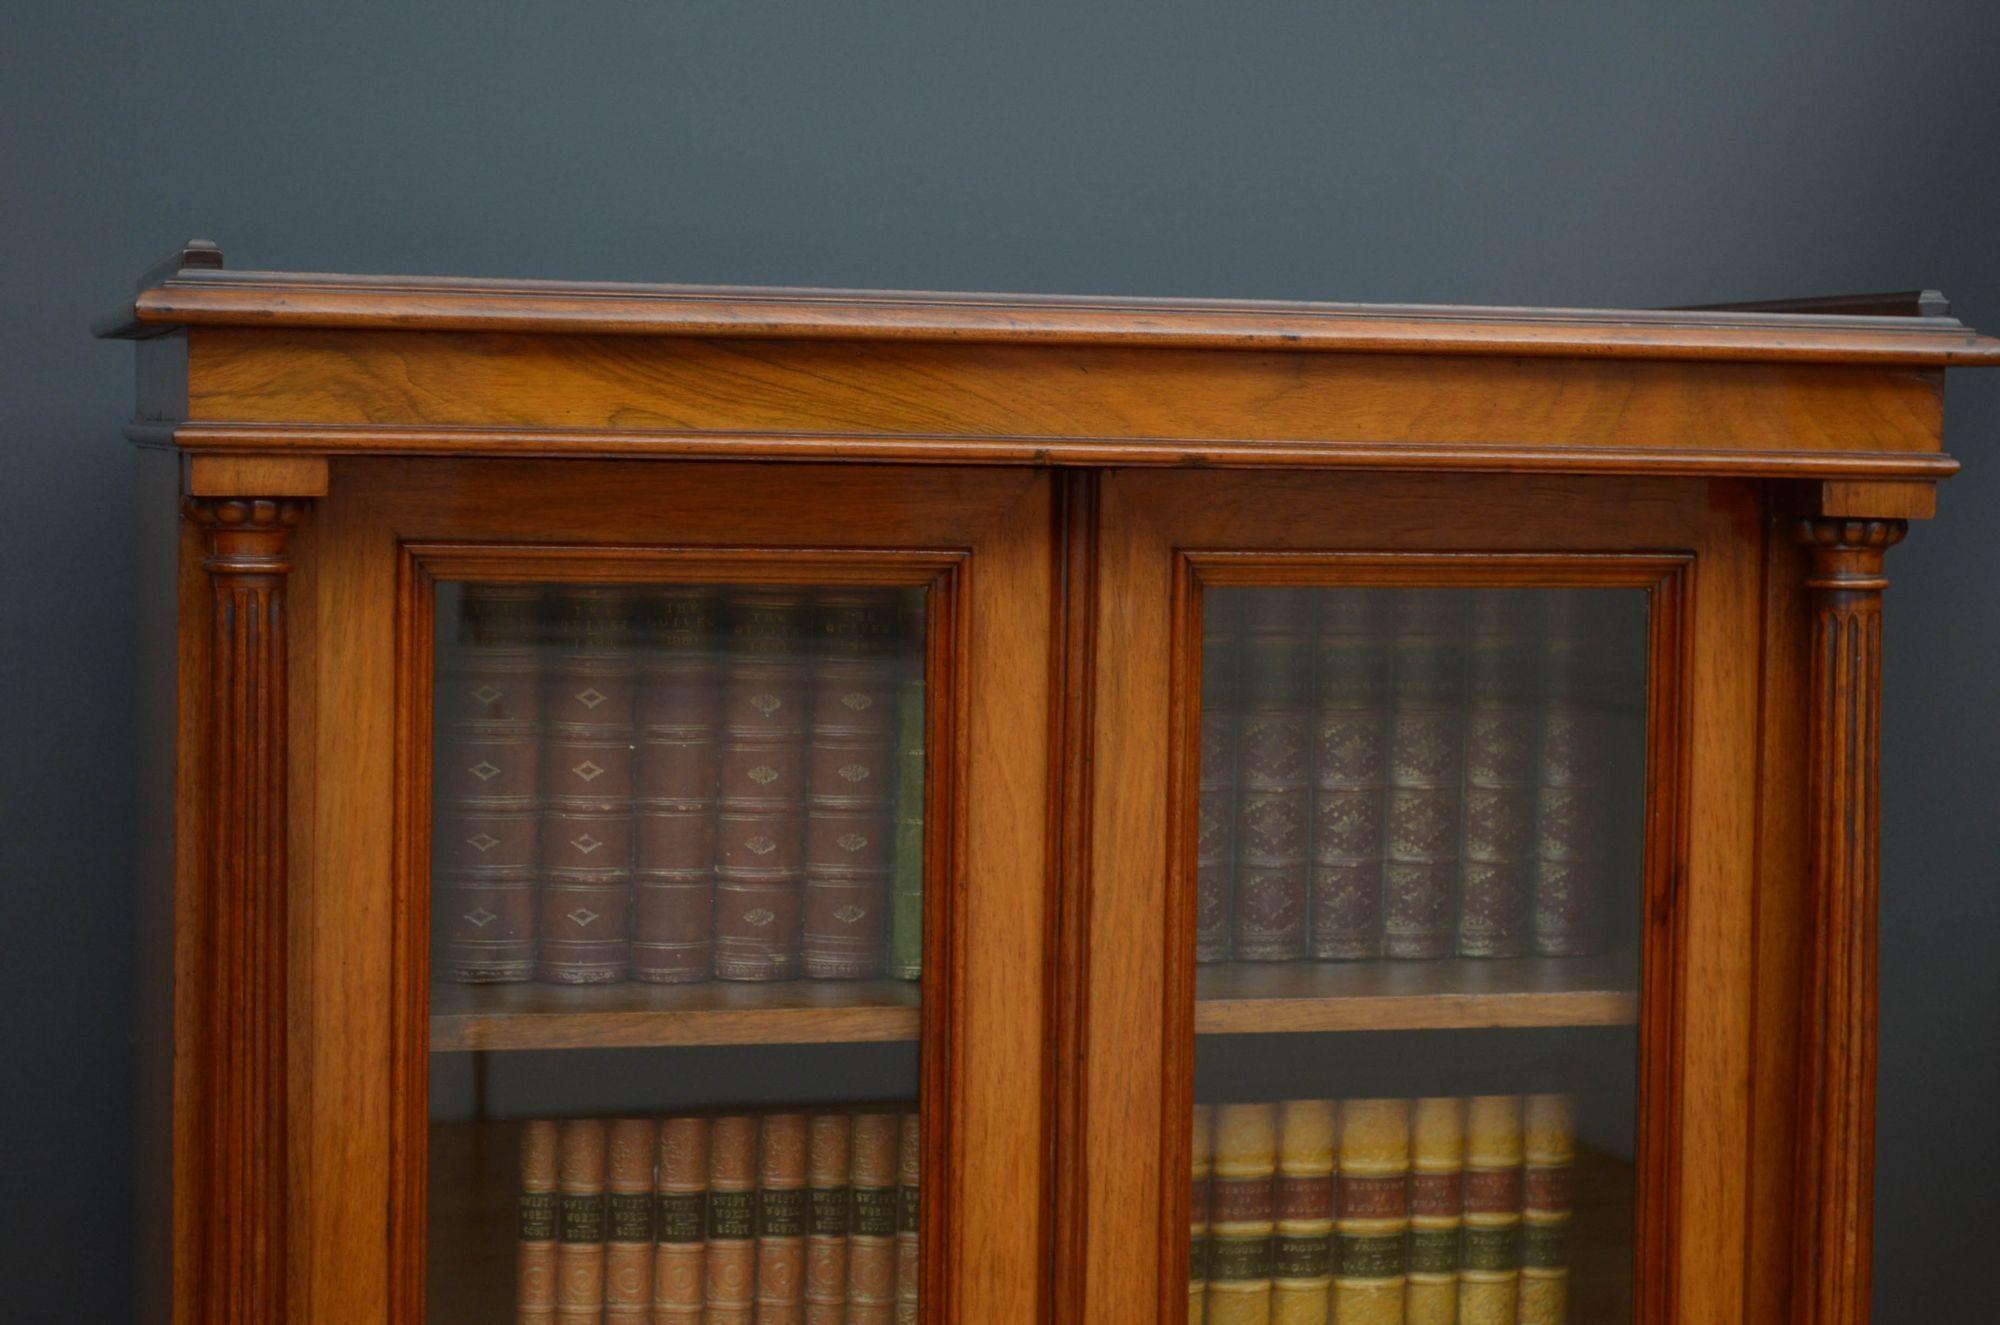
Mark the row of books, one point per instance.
(1407, 774)
(679, 784)
(727, 1219)
(1382, 1211)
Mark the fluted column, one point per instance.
(240, 1072)
(1836, 1135)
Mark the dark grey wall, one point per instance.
(1529, 152)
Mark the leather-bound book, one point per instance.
(781, 1219)
(680, 1222)
(871, 1248)
(580, 1215)
(906, 882)
(628, 1234)
(730, 1262)
(1490, 1257)
(909, 1239)
(1437, 1171)
(535, 1260)
(850, 785)
(586, 840)
(1215, 837)
(829, 1158)
(1496, 873)
(760, 827)
(1301, 1265)
(679, 713)
(1202, 1149)
(1426, 736)
(489, 734)
(1569, 820)
(1274, 795)
(1350, 752)
(1373, 1221)
(1548, 1152)
(1241, 1215)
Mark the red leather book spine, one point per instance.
(483, 842)
(679, 712)
(1426, 736)
(1569, 817)
(1350, 751)
(1274, 795)
(1496, 879)
(760, 828)
(850, 778)
(1215, 847)
(587, 763)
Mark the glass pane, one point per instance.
(677, 885)
(1420, 873)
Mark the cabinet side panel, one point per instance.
(342, 769)
(1781, 911)
(157, 710)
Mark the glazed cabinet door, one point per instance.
(1420, 933)
(671, 894)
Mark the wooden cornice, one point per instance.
(193, 289)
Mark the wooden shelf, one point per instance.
(1235, 998)
(630, 1016)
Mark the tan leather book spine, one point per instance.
(587, 763)
(850, 782)
(580, 1250)
(1373, 1221)
(628, 1237)
(535, 1258)
(1350, 754)
(1215, 849)
(871, 1250)
(1301, 1271)
(1274, 792)
(488, 751)
(1426, 739)
(1241, 1214)
(1490, 1258)
(1496, 880)
(1549, 1155)
(829, 1158)
(909, 1225)
(781, 1219)
(1437, 1171)
(760, 828)
(679, 713)
(1202, 1148)
(680, 1222)
(730, 1264)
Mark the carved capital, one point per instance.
(239, 1272)
(1834, 1211)
(246, 535)
(1847, 554)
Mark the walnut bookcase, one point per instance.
(1107, 510)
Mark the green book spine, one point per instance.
(906, 885)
